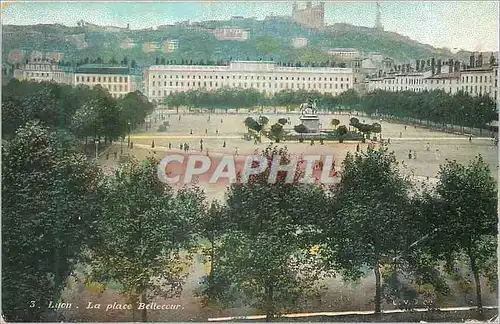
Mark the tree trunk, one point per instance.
(144, 317)
(378, 295)
(477, 281)
(269, 303)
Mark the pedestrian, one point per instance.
(116, 155)
(409, 155)
(428, 146)
(201, 148)
(400, 134)
(388, 141)
(221, 120)
(169, 146)
(236, 152)
(357, 147)
(153, 144)
(201, 141)
(224, 144)
(179, 117)
(182, 147)
(217, 131)
(414, 155)
(206, 131)
(206, 151)
(312, 142)
(470, 139)
(405, 127)
(131, 145)
(191, 132)
(107, 155)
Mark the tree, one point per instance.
(283, 121)
(463, 211)
(50, 199)
(342, 131)
(276, 132)
(133, 64)
(144, 233)
(335, 122)
(263, 120)
(301, 128)
(266, 252)
(370, 205)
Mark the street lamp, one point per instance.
(128, 145)
(96, 149)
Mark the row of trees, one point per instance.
(432, 106)
(267, 245)
(86, 113)
(236, 98)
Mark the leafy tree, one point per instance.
(369, 205)
(144, 233)
(263, 120)
(300, 129)
(283, 121)
(335, 122)
(463, 211)
(50, 199)
(265, 252)
(342, 131)
(276, 132)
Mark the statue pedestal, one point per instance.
(311, 122)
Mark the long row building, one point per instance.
(477, 78)
(118, 80)
(264, 76)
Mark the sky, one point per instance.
(468, 25)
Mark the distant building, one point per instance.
(299, 42)
(313, 17)
(169, 46)
(264, 76)
(231, 33)
(478, 78)
(42, 70)
(118, 80)
(350, 53)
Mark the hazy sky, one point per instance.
(470, 25)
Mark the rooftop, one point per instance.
(102, 69)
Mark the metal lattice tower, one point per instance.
(378, 21)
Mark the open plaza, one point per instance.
(222, 134)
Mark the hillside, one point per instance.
(269, 38)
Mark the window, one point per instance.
(481, 78)
(88, 79)
(476, 78)
(121, 87)
(341, 79)
(99, 79)
(336, 86)
(153, 92)
(170, 83)
(336, 79)
(164, 92)
(77, 78)
(120, 79)
(176, 83)
(210, 83)
(114, 79)
(341, 86)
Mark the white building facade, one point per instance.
(266, 77)
(117, 80)
(474, 81)
(43, 71)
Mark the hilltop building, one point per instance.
(231, 33)
(264, 76)
(313, 17)
(299, 42)
(348, 53)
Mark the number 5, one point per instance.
(32, 304)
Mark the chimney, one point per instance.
(418, 65)
(433, 66)
(472, 61)
(438, 67)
